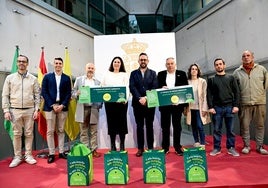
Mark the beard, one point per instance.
(220, 70)
(143, 65)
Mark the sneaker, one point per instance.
(233, 152)
(15, 162)
(215, 152)
(197, 144)
(262, 151)
(246, 150)
(30, 160)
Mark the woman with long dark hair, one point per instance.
(116, 112)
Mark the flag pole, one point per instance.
(43, 153)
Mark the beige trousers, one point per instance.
(254, 115)
(22, 119)
(55, 122)
(88, 131)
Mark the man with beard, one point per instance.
(223, 101)
(20, 103)
(253, 83)
(87, 114)
(141, 80)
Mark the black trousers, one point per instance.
(144, 114)
(168, 113)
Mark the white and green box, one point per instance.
(80, 165)
(195, 164)
(116, 167)
(172, 96)
(154, 169)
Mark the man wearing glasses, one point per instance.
(20, 103)
(141, 80)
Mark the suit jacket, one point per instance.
(49, 91)
(180, 80)
(138, 85)
(79, 113)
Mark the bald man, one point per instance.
(253, 82)
(87, 114)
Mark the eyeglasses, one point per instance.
(21, 61)
(143, 59)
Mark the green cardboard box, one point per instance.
(154, 169)
(195, 164)
(173, 96)
(80, 165)
(116, 167)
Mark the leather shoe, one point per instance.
(51, 158)
(95, 154)
(139, 153)
(179, 152)
(63, 156)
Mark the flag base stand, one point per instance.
(43, 154)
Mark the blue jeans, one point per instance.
(197, 127)
(226, 114)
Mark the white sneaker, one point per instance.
(197, 144)
(233, 152)
(246, 150)
(15, 162)
(30, 160)
(262, 151)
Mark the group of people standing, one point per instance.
(222, 96)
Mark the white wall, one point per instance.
(36, 27)
(236, 26)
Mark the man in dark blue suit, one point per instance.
(167, 79)
(56, 91)
(141, 80)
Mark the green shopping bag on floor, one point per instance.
(80, 165)
(116, 167)
(154, 169)
(195, 164)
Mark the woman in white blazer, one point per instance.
(197, 113)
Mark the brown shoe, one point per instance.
(139, 153)
(95, 154)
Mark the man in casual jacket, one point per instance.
(20, 103)
(253, 83)
(87, 114)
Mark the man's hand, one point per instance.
(8, 116)
(143, 101)
(212, 111)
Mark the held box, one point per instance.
(173, 96)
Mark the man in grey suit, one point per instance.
(87, 114)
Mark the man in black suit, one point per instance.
(167, 79)
(56, 91)
(141, 80)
